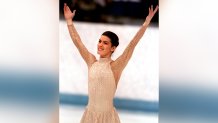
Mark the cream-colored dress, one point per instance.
(101, 89)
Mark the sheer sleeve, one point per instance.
(86, 55)
(119, 64)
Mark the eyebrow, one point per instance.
(103, 41)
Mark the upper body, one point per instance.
(106, 45)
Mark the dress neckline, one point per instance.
(104, 59)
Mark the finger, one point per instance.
(67, 7)
(156, 9)
(151, 7)
(74, 11)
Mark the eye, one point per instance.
(99, 41)
(105, 42)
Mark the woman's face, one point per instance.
(105, 48)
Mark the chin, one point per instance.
(100, 52)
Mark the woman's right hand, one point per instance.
(67, 12)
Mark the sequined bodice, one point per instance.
(101, 86)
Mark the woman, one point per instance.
(103, 74)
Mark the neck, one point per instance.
(107, 56)
(106, 59)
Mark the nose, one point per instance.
(100, 44)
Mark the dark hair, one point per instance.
(114, 38)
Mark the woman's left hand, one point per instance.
(150, 14)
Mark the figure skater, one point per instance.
(104, 74)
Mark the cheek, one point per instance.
(107, 47)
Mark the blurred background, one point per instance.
(28, 61)
(188, 61)
(137, 94)
(131, 12)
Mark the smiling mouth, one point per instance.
(99, 49)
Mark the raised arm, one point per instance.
(86, 55)
(119, 64)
